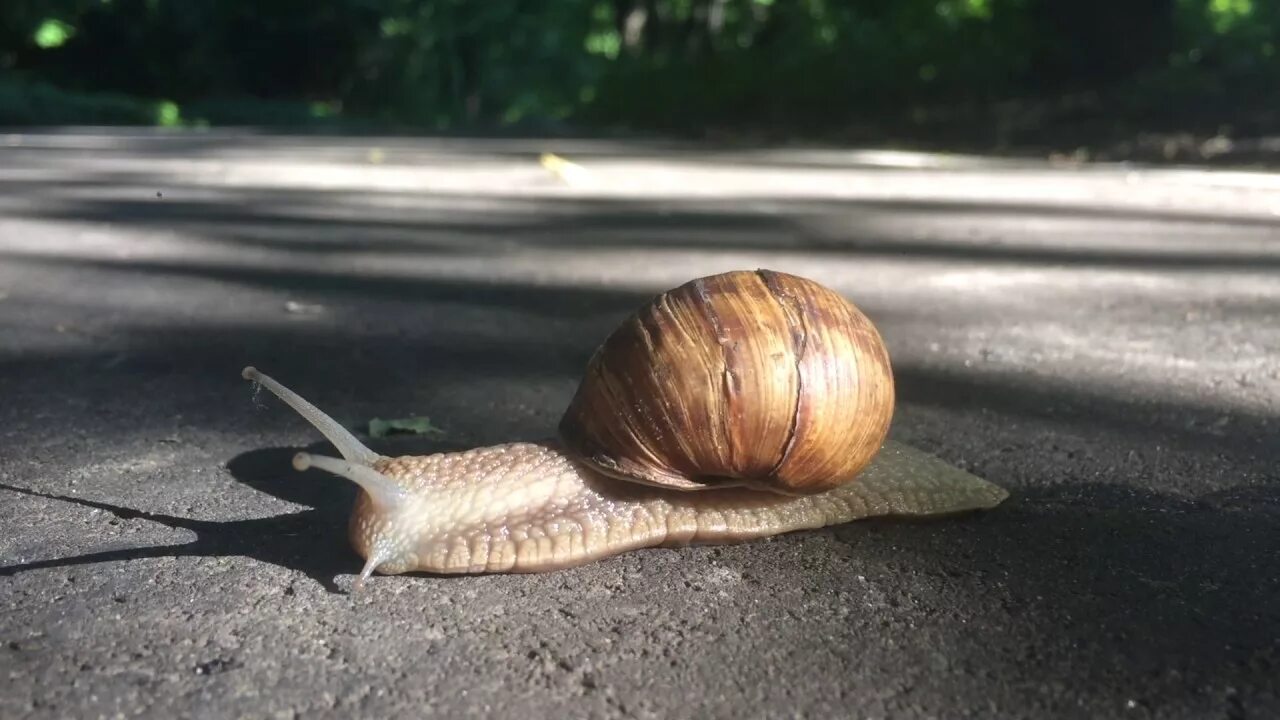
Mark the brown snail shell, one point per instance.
(756, 378)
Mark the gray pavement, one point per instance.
(1101, 340)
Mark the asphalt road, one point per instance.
(1100, 340)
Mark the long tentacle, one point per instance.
(347, 444)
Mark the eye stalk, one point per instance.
(347, 444)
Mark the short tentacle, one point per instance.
(384, 491)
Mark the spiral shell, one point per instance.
(756, 378)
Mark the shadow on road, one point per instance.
(318, 223)
(1153, 587)
(312, 542)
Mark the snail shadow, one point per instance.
(312, 541)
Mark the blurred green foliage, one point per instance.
(664, 64)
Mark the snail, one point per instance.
(736, 406)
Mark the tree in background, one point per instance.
(669, 64)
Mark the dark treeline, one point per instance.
(665, 64)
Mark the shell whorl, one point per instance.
(747, 378)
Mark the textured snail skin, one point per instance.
(528, 507)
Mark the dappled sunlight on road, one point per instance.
(1101, 279)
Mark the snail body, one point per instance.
(734, 407)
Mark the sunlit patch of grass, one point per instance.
(322, 110)
(168, 114)
(606, 42)
(52, 33)
(1226, 14)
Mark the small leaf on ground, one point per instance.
(380, 428)
(570, 173)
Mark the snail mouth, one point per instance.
(376, 541)
(382, 562)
